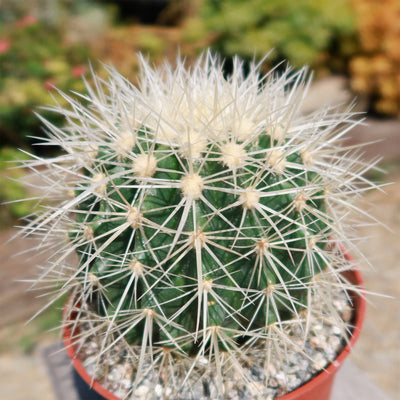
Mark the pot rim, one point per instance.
(359, 307)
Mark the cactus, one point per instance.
(201, 213)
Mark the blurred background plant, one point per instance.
(10, 188)
(36, 55)
(300, 31)
(375, 66)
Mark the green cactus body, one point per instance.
(220, 225)
(201, 209)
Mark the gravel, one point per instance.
(269, 380)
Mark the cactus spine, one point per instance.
(202, 211)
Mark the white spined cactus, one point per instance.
(204, 212)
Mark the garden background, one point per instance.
(352, 47)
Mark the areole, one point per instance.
(318, 388)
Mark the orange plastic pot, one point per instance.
(318, 388)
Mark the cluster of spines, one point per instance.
(201, 207)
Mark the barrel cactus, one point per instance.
(195, 218)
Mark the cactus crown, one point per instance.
(202, 210)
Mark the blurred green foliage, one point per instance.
(34, 59)
(300, 31)
(151, 44)
(11, 189)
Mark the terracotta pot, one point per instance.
(318, 388)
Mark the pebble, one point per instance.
(142, 391)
